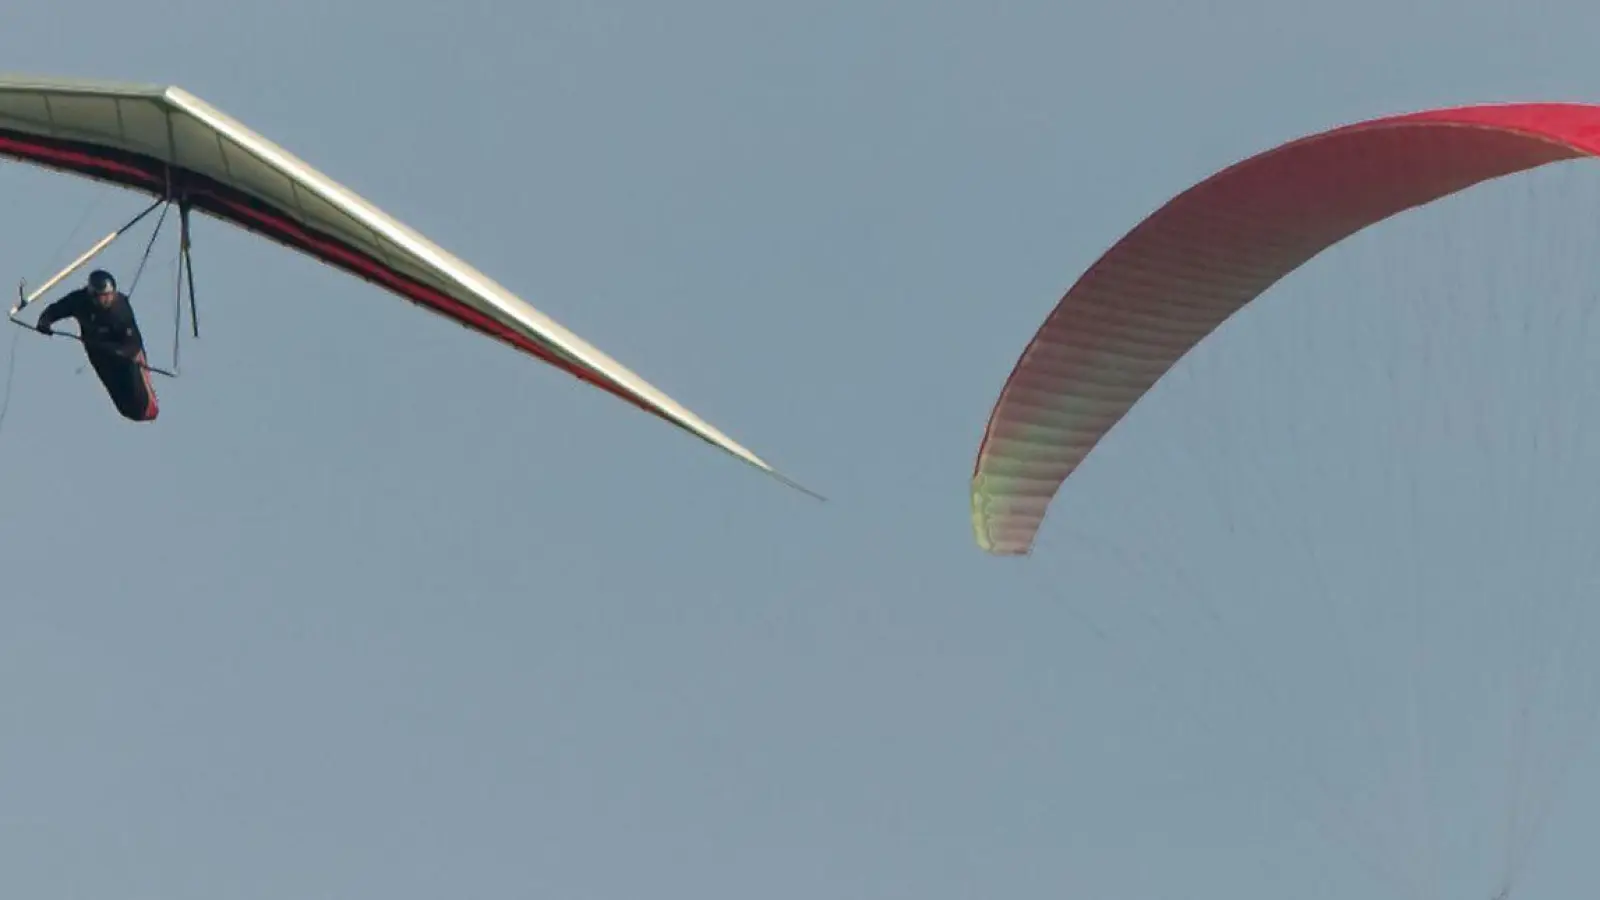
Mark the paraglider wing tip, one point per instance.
(1003, 524)
(1011, 549)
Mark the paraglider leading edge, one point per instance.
(1205, 254)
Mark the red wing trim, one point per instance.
(145, 173)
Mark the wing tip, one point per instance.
(790, 482)
(767, 469)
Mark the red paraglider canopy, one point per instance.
(1210, 250)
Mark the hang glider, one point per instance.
(168, 143)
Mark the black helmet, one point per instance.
(101, 281)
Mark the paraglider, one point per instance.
(1366, 671)
(168, 143)
(1207, 253)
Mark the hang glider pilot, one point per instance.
(111, 340)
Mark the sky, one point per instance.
(379, 608)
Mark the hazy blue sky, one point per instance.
(380, 609)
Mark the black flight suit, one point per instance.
(115, 348)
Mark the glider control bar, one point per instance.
(24, 299)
